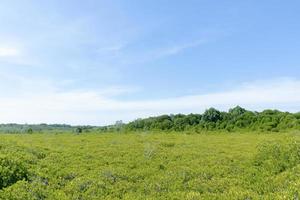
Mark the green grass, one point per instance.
(150, 166)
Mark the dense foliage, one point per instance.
(150, 166)
(235, 119)
(155, 166)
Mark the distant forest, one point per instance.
(235, 119)
(40, 128)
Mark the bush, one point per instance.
(11, 171)
(276, 157)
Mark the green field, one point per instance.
(150, 166)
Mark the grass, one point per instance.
(151, 166)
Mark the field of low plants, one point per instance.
(150, 166)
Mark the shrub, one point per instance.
(11, 171)
(276, 157)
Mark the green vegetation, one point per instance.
(43, 128)
(237, 154)
(150, 166)
(236, 119)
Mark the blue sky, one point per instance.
(95, 62)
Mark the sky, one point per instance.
(95, 62)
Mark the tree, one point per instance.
(236, 111)
(78, 130)
(211, 115)
(29, 131)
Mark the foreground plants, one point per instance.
(150, 166)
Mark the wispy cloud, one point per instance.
(15, 51)
(111, 48)
(94, 107)
(147, 55)
(8, 52)
(176, 49)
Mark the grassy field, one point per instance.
(150, 166)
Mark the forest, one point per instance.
(236, 119)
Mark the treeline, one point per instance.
(212, 119)
(40, 128)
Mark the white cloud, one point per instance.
(8, 52)
(15, 51)
(94, 107)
